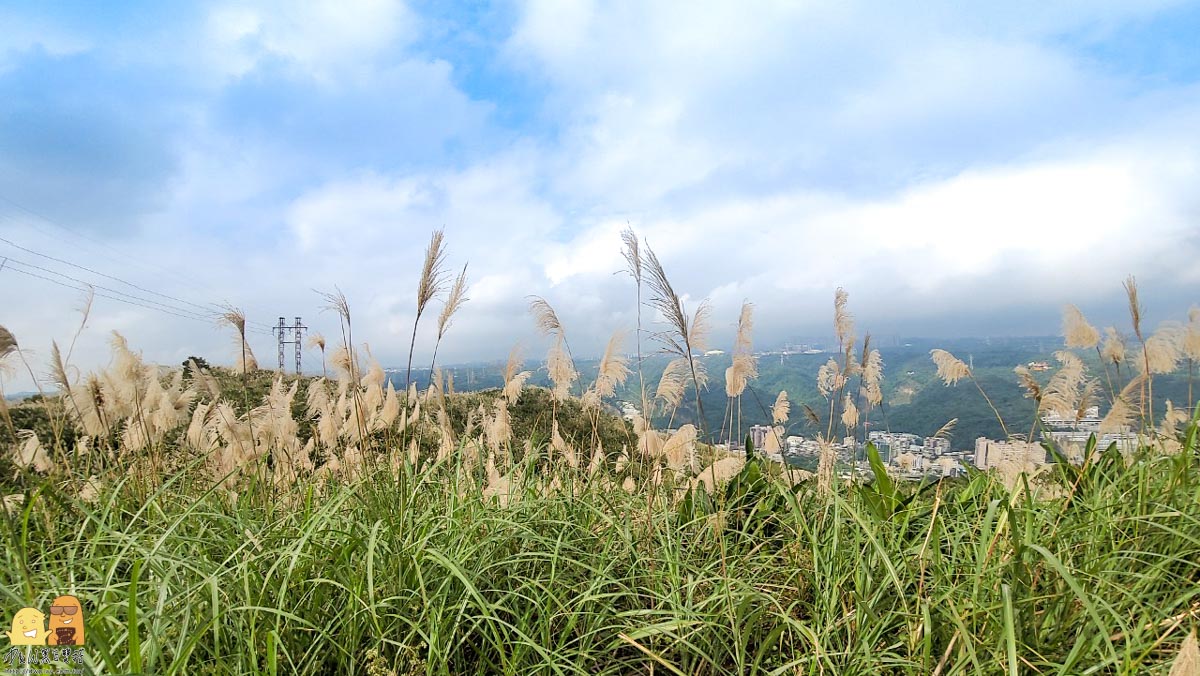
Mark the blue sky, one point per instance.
(960, 169)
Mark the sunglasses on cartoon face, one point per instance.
(63, 610)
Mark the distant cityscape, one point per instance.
(914, 457)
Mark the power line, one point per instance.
(102, 295)
(94, 242)
(164, 306)
(106, 276)
(120, 297)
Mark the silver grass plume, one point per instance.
(1062, 393)
(672, 383)
(431, 284)
(689, 332)
(1163, 350)
(830, 378)
(8, 343)
(1135, 305)
(849, 413)
(544, 317)
(31, 454)
(317, 340)
(1113, 349)
(514, 377)
(872, 375)
(950, 369)
(1125, 407)
(1033, 390)
(454, 301)
(843, 321)
(561, 369)
(946, 430)
(614, 367)
(1077, 332)
(781, 409)
(745, 366)
(1187, 660)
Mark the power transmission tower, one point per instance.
(297, 330)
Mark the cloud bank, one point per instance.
(962, 171)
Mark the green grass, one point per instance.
(419, 574)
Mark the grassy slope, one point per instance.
(420, 575)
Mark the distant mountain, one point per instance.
(914, 399)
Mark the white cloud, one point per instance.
(935, 159)
(326, 38)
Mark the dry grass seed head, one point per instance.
(686, 332)
(1113, 349)
(950, 369)
(671, 385)
(31, 454)
(454, 301)
(843, 321)
(614, 367)
(743, 370)
(544, 317)
(8, 343)
(1163, 350)
(1077, 331)
(719, 472)
(782, 408)
(1032, 389)
(433, 270)
(1187, 661)
(830, 378)
(1135, 306)
(946, 430)
(336, 301)
(849, 413)
(316, 341)
(561, 369)
(632, 254)
(235, 318)
(1125, 407)
(1062, 393)
(743, 341)
(872, 374)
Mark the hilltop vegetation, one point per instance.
(238, 521)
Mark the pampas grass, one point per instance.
(1187, 660)
(1063, 393)
(631, 252)
(781, 409)
(8, 343)
(951, 369)
(514, 377)
(743, 369)
(688, 332)
(317, 340)
(545, 318)
(561, 369)
(614, 366)
(672, 383)
(431, 283)
(1077, 332)
(1113, 349)
(745, 366)
(454, 302)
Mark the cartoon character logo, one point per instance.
(66, 622)
(28, 627)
